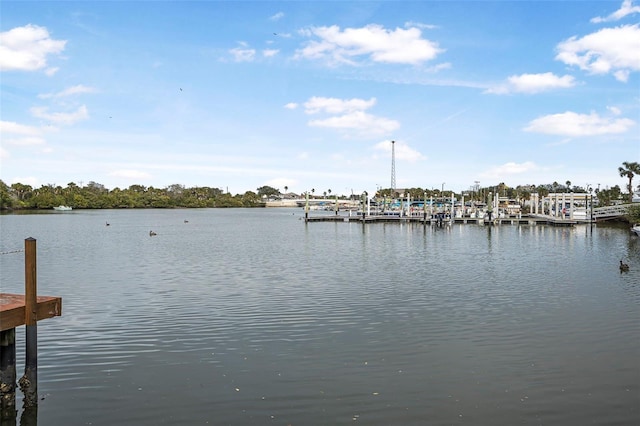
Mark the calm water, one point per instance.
(251, 317)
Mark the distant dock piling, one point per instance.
(17, 310)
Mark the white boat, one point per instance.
(636, 228)
(62, 208)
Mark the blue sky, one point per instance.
(309, 94)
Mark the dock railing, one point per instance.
(610, 212)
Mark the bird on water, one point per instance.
(151, 233)
(623, 266)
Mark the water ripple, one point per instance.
(249, 317)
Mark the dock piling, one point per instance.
(29, 381)
(17, 310)
(8, 374)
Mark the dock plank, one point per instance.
(12, 309)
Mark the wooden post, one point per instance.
(306, 208)
(424, 208)
(572, 205)
(29, 382)
(7, 375)
(453, 204)
(29, 416)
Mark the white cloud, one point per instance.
(61, 117)
(70, 91)
(337, 106)
(626, 9)
(574, 124)
(268, 53)
(509, 169)
(533, 83)
(26, 48)
(349, 116)
(614, 110)
(130, 174)
(622, 75)
(360, 121)
(4, 154)
(410, 24)
(291, 105)
(26, 135)
(399, 46)
(439, 67)
(402, 151)
(277, 16)
(19, 129)
(243, 54)
(610, 50)
(26, 141)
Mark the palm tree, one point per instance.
(568, 186)
(629, 170)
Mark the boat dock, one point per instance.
(522, 220)
(17, 310)
(13, 309)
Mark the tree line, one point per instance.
(20, 196)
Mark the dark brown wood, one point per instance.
(12, 309)
(30, 282)
(7, 375)
(17, 310)
(29, 381)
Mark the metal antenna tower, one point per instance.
(393, 165)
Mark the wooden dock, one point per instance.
(524, 220)
(13, 309)
(17, 310)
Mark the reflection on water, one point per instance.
(251, 317)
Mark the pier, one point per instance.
(523, 220)
(558, 209)
(17, 310)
